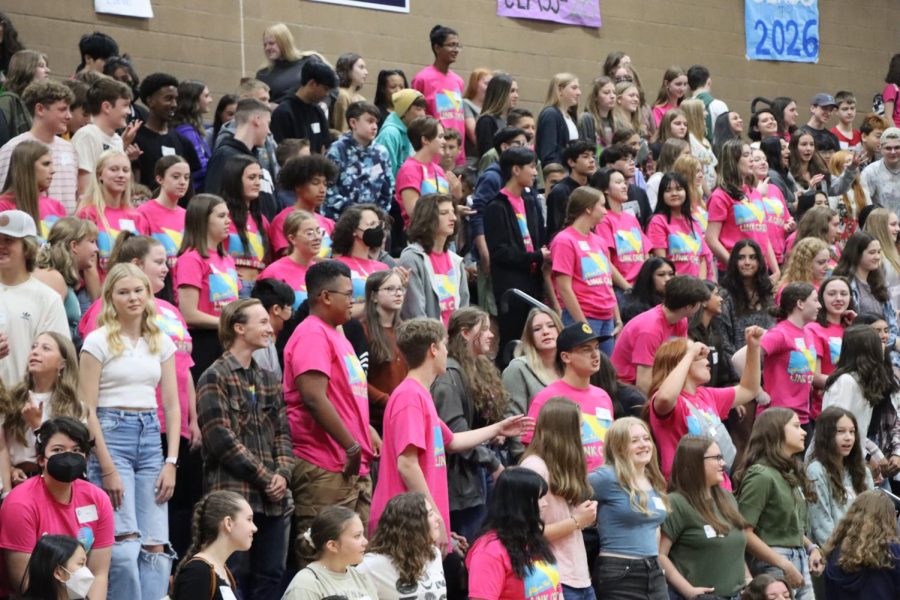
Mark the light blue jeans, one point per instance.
(132, 439)
(599, 326)
(798, 558)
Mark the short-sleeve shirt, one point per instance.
(360, 269)
(682, 241)
(639, 340)
(286, 269)
(596, 416)
(165, 225)
(624, 530)
(789, 367)
(380, 569)
(491, 576)
(30, 511)
(49, 210)
(776, 216)
(90, 142)
(443, 100)
(828, 341)
(700, 413)
(251, 255)
(279, 242)
(584, 259)
(113, 222)
(411, 419)
(347, 391)
(215, 276)
(704, 557)
(424, 178)
(776, 511)
(128, 379)
(744, 218)
(627, 244)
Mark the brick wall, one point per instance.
(202, 39)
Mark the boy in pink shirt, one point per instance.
(578, 348)
(442, 88)
(413, 457)
(308, 177)
(637, 344)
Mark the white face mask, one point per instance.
(79, 583)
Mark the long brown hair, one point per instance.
(557, 441)
(689, 480)
(581, 200)
(380, 349)
(866, 533)
(404, 535)
(424, 222)
(481, 376)
(824, 450)
(21, 180)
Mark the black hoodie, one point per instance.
(234, 147)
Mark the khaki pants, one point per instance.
(315, 488)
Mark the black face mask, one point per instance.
(373, 237)
(66, 467)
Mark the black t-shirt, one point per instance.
(195, 582)
(154, 146)
(294, 118)
(823, 138)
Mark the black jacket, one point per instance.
(268, 205)
(511, 265)
(557, 200)
(552, 136)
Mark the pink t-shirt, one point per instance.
(446, 283)
(491, 576)
(279, 242)
(776, 216)
(443, 100)
(660, 111)
(682, 241)
(789, 367)
(49, 210)
(117, 219)
(165, 225)
(170, 321)
(740, 219)
(348, 392)
(639, 340)
(253, 258)
(410, 419)
(583, 258)
(216, 277)
(293, 274)
(518, 206)
(360, 269)
(628, 246)
(891, 93)
(700, 413)
(828, 341)
(424, 178)
(30, 511)
(596, 416)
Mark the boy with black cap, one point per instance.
(821, 108)
(578, 349)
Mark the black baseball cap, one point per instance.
(575, 335)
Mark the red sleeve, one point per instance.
(890, 93)
(276, 233)
(190, 270)
(487, 581)
(718, 206)
(563, 255)
(534, 409)
(645, 347)
(446, 434)
(819, 340)
(658, 233)
(679, 411)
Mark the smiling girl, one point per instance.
(247, 242)
(163, 217)
(671, 92)
(27, 182)
(834, 317)
(673, 232)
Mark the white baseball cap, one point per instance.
(17, 224)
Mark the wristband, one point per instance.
(352, 450)
(172, 460)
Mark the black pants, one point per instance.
(188, 491)
(629, 579)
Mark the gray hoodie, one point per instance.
(424, 289)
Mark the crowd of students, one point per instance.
(432, 346)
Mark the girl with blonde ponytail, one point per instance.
(222, 525)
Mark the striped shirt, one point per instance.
(65, 165)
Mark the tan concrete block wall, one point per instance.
(202, 39)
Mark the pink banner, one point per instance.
(568, 12)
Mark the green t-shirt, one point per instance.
(776, 511)
(704, 558)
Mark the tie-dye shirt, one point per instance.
(253, 257)
(444, 100)
(628, 246)
(744, 218)
(789, 367)
(49, 210)
(165, 225)
(583, 258)
(596, 416)
(424, 178)
(682, 241)
(494, 579)
(518, 206)
(445, 283)
(216, 277)
(116, 221)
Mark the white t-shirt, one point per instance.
(90, 142)
(129, 379)
(573, 128)
(27, 310)
(380, 569)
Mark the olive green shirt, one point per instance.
(776, 511)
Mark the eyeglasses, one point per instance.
(717, 458)
(314, 233)
(393, 289)
(349, 294)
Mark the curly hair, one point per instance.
(481, 376)
(404, 536)
(865, 534)
(188, 110)
(800, 261)
(342, 236)
(815, 223)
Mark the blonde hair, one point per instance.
(284, 39)
(623, 120)
(877, 225)
(56, 254)
(108, 318)
(95, 197)
(696, 122)
(615, 454)
(798, 266)
(557, 83)
(529, 352)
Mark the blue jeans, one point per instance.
(600, 326)
(132, 439)
(259, 571)
(570, 593)
(798, 558)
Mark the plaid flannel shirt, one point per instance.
(246, 437)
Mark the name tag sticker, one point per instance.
(603, 414)
(584, 246)
(87, 514)
(709, 531)
(658, 503)
(127, 225)
(167, 151)
(316, 128)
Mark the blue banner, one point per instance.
(784, 30)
